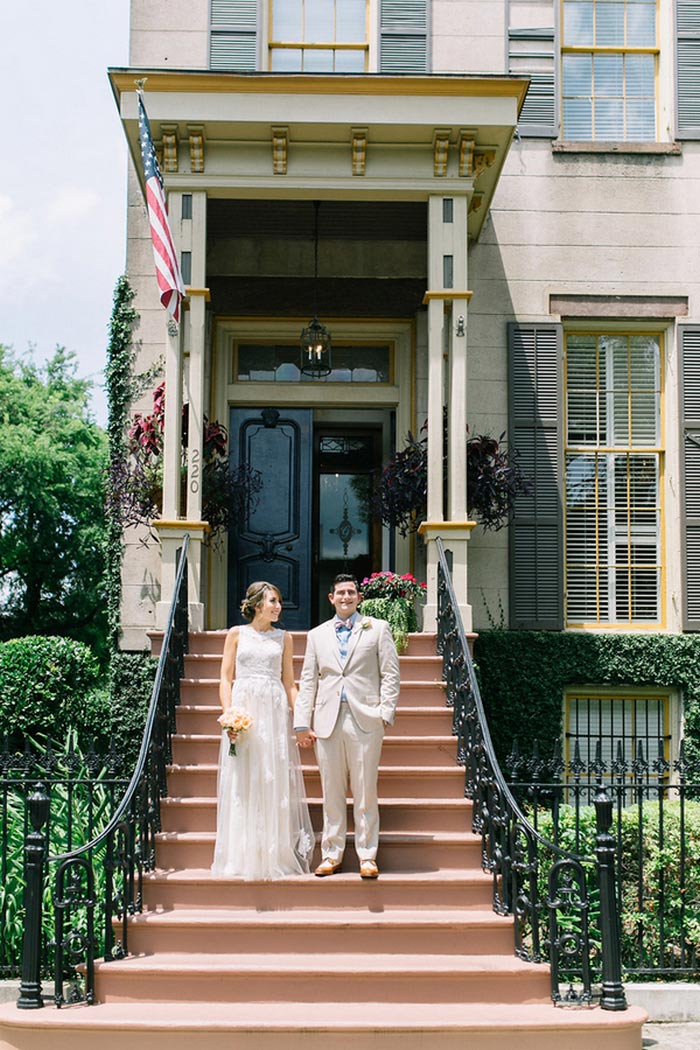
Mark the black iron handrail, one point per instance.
(552, 894)
(116, 859)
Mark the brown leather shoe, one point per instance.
(369, 869)
(328, 867)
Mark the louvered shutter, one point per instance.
(403, 36)
(531, 54)
(233, 43)
(690, 473)
(688, 69)
(536, 431)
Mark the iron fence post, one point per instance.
(612, 992)
(34, 854)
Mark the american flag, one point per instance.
(168, 275)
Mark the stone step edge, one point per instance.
(338, 918)
(329, 964)
(386, 838)
(389, 741)
(210, 802)
(185, 876)
(211, 767)
(327, 1016)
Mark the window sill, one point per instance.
(664, 148)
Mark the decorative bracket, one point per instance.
(466, 155)
(484, 157)
(441, 148)
(196, 134)
(280, 138)
(477, 199)
(169, 138)
(359, 150)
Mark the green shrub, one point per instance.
(48, 686)
(131, 678)
(642, 917)
(399, 613)
(523, 676)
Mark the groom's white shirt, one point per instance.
(368, 678)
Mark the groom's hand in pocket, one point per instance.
(305, 737)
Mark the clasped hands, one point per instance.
(305, 737)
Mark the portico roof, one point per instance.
(373, 137)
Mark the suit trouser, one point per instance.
(349, 751)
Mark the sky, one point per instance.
(62, 179)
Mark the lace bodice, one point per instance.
(259, 655)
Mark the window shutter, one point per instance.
(688, 69)
(403, 36)
(536, 431)
(233, 43)
(689, 336)
(531, 54)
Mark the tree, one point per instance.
(52, 462)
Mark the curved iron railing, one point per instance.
(563, 904)
(104, 876)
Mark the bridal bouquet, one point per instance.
(235, 720)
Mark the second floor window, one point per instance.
(609, 60)
(319, 36)
(613, 479)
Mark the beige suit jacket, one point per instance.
(370, 677)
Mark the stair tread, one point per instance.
(311, 964)
(175, 767)
(205, 1016)
(309, 917)
(388, 803)
(386, 837)
(459, 876)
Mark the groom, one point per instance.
(350, 681)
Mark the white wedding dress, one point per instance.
(263, 824)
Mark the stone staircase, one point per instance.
(413, 960)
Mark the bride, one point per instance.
(263, 824)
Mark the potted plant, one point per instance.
(388, 596)
(494, 481)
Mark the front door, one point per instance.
(312, 518)
(273, 542)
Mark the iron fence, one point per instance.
(82, 792)
(656, 830)
(563, 902)
(95, 886)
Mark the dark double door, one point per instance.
(312, 518)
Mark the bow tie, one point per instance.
(343, 625)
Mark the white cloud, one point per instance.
(70, 204)
(16, 233)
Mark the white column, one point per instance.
(194, 240)
(447, 275)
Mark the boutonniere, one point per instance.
(366, 624)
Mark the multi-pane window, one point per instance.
(614, 736)
(613, 469)
(609, 58)
(318, 36)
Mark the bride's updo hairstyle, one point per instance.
(255, 596)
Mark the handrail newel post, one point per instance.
(30, 997)
(612, 992)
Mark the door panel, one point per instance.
(273, 542)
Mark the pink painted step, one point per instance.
(409, 851)
(394, 781)
(212, 642)
(397, 750)
(411, 814)
(337, 977)
(338, 1026)
(192, 888)
(397, 932)
(199, 717)
(413, 668)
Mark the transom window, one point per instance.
(318, 36)
(613, 466)
(261, 363)
(609, 70)
(611, 728)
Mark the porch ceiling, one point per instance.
(316, 117)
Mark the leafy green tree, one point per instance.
(52, 463)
